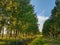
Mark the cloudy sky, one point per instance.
(43, 10)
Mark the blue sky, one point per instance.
(43, 10)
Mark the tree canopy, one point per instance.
(52, 25)
(18, 16)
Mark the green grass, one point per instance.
(45, 41)
(5, 41)
(39, 40)
(10, 42)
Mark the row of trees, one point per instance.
(52, 25)
(17, 16)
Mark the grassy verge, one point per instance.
(45, 41)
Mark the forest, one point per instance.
(18, 24)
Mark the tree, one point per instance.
(51, 26)
(19, 17)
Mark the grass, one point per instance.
(45, 41)
(15, 41)
(10, 42)
(39, 40)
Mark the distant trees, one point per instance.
(52, 25)
(18, 16)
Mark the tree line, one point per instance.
(17, 17)
(52, 25)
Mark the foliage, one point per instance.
(18, 16)
(52, 25)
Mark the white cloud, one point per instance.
(41, 20)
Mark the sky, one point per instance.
(43, 8)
